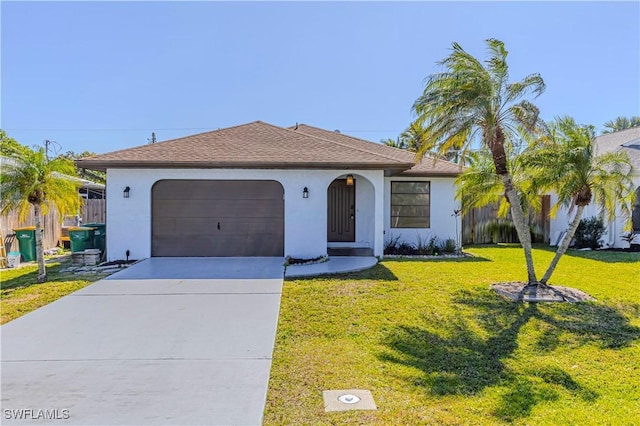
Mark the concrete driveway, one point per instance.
(176, 341)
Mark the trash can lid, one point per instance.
(79, 228)
(25, 228)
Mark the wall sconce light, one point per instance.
(125, 193)
(305, 192)
(349, 180)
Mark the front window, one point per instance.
(410, 204)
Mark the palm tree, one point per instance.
(28, 179)
(471, 101)
(479, 185)
(566, 163)
(621, 123)
(398, 143)
(413, 136)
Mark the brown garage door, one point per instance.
(217, 218)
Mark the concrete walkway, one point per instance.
(166, 341)
(335, 265)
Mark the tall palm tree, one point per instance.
(566, 163)
(621, 123)
(28, 179)
(470, 100)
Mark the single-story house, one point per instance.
(263, 190)
(622, 141)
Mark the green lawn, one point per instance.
(436, 346)
(20, 293)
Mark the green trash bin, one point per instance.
(81, 238)
(27, 242)
(99, 235)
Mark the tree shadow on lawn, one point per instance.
(381, 272)
(438, 259)
(377, 272)
(465, 354)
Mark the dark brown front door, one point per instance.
(214, 218)
(341, 212)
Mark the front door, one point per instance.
(341, 212)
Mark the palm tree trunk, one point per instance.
(42, 271)
(522, 227)
(564, 245)
(517, 214)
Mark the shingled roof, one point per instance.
(427, 167)
(262, 145)
(622, 141)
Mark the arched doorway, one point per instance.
(341, 211)
(350, 214)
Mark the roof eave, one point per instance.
(409, 173)
(103, 165)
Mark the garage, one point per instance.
(217, 218)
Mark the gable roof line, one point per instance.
(395, 160)
(342, 144)
(404, 151)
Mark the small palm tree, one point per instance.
(28, 179)
(479, 185)
(565, 162)
(471, 101)
(621, 123)
(397, 143)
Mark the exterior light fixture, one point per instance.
(305, 192)
(349, 180)
(125, 193)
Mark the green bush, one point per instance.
(589, 232)
(449, 246)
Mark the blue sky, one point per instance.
(102, 76)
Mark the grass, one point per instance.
(20, 293)
(436, 346)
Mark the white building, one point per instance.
(263, 190)
(626, 141)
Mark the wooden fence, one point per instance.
(482, 226)
(93, 211)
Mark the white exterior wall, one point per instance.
(443, 204)
(614, 229)
(129, 219)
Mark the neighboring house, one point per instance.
(626, 141)
(87, 189)
(263, 190)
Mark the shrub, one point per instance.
(427, 248)
(406, 249)
(449, 246)
(434, 246)
(391, 245)
(588, 233)
(502, 231)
